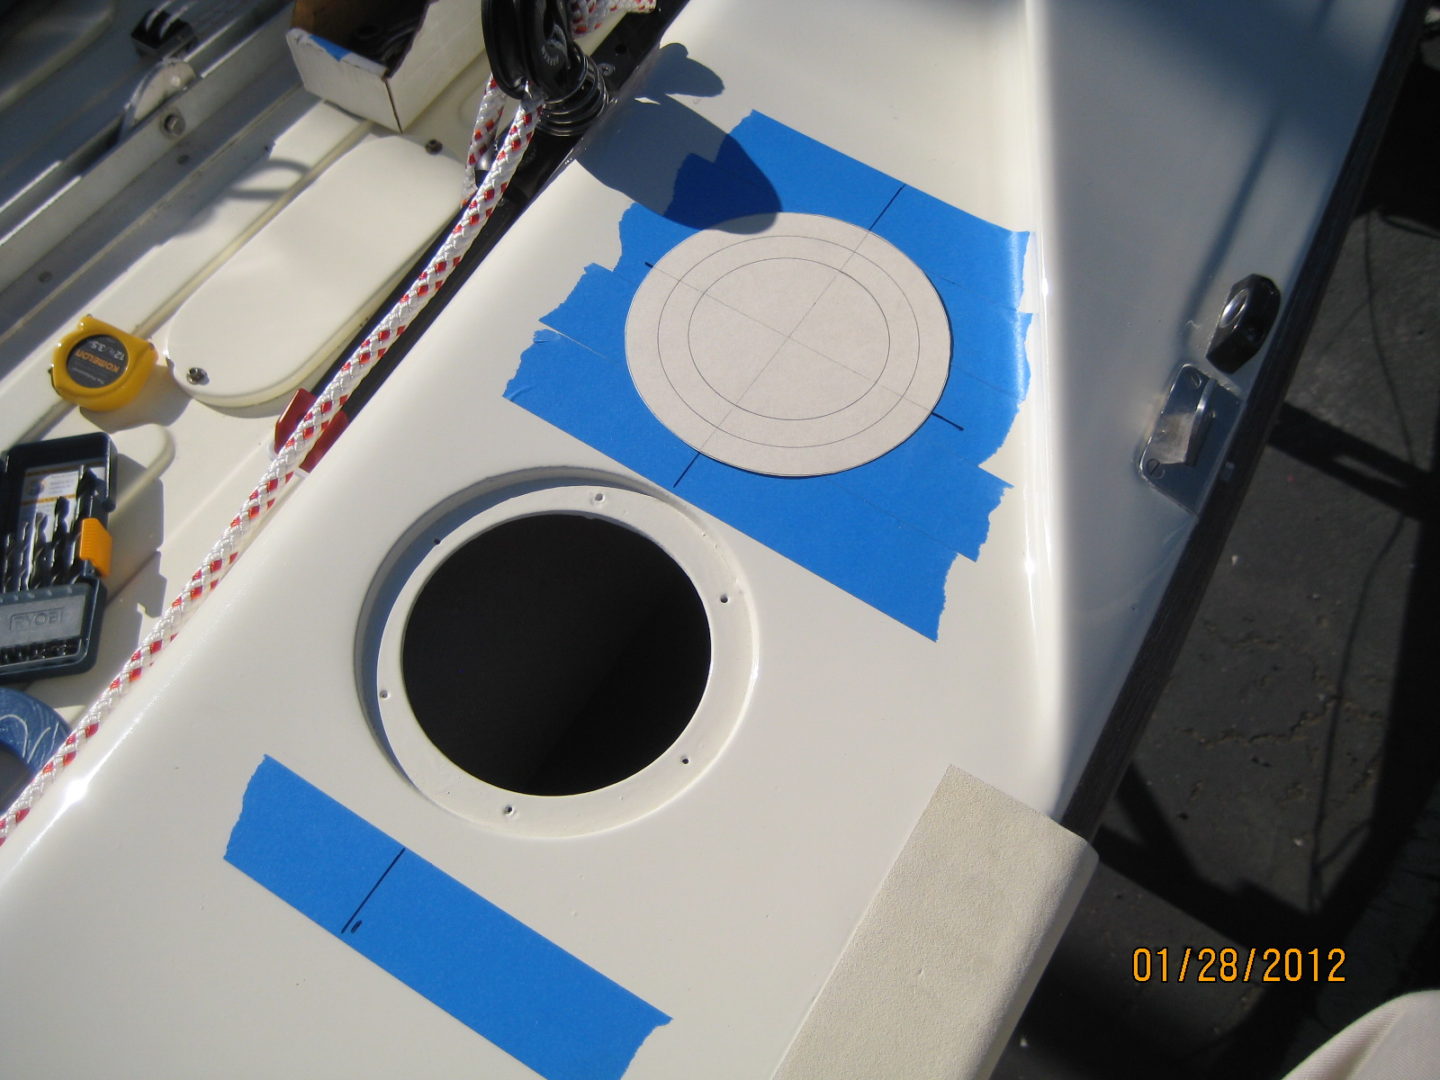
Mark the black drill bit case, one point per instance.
(51, 596)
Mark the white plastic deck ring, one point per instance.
(788, 344)
(715, 718)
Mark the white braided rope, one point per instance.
(487, 119)
(587, 15)
(281, 472)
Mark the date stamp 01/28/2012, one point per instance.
(1230, 965)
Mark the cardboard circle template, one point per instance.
(788, 344)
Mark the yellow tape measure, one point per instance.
(100, 366)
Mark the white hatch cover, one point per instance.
(286, 302)
(788, 344)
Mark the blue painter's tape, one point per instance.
(337, 51)
(539, 1003)
(886, 532)
(530, 997)
(286, 839)
(340, 53)
(808, 176)
(872, 555)
(706, 193)
(594, 313)
(645, 236)
(929, 481)
(987, 340)
(947, 242)
(892, 527)
(983, 414)
(593, 399)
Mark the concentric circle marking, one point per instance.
(788, 344)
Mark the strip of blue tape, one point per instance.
(531, 998)
(337, 51)
(888, 531)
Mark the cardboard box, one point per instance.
(338, 46)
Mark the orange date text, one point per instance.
(1203, 964)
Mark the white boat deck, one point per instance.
(969, 600)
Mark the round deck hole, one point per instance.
(556, 654)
